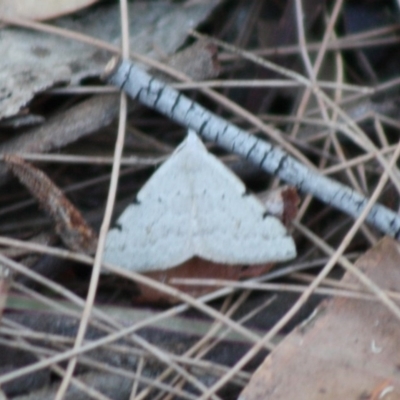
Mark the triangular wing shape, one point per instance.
(194, 206)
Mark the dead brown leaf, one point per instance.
(348, 350)
(197, 268)
(45, 9)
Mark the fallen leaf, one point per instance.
(34, 61)
(195, 268)
(41, 10)
(198, 61)
(348, 350)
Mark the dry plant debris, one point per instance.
(74, 231)
(331, 101)
(87, 117)
(34, 61)
(347, 349)
(46, 9)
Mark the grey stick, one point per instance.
(155, 94)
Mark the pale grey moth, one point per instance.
(195, 206)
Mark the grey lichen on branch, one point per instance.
(155, 94)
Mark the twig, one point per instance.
(156, 94)
(353, 41)
(69, 222)
(94, 279)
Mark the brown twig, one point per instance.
(70, 225)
